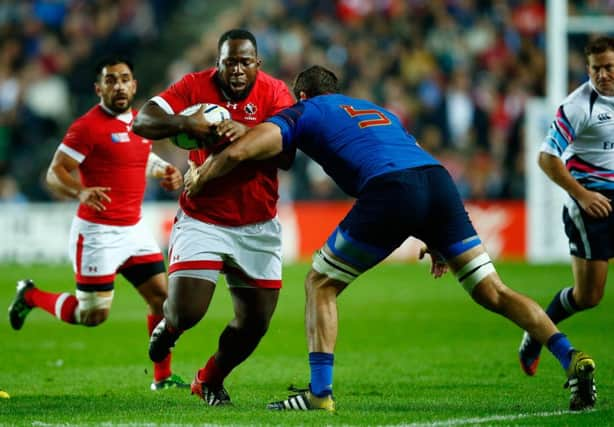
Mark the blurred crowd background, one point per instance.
(456, 72)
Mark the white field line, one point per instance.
(120, 424)
(488, 419)
(441, 423)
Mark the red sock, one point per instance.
(211, 374)
(61, 305)
(162, 369)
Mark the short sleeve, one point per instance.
(177, 97)
(77, 141)
(569, 121)
(288, 121)
(283, 98)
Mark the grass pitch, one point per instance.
(411, 351)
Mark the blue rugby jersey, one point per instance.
(352, 139)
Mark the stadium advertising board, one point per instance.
(39, 232)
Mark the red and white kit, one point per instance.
(109, 155)
(248, 195)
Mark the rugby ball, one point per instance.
(213, 114)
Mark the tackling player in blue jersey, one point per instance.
(578, 155)
(401, 191)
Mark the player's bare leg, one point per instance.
(154, 292)
(489, 291)
(321, 319)
(187, 302)
(590, 280)
(253, 309)
(321, 324)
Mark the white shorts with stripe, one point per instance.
(249, 255)
(98, 251)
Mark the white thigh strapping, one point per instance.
(333, 268)
(474, 271)
(89, 301)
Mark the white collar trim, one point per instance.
(125, 117)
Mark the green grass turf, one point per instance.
(412, 350)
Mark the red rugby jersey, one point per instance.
(110, 155)
(248, 194)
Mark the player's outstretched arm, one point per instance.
(263, 141)
(595, 204)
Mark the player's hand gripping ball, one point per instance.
(213, 114)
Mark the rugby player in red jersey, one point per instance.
(107, 234)
(232, 225)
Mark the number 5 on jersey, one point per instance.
(382, 120)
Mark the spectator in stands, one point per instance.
(497, 42)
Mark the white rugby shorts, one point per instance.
(97, 251)
(249, 255)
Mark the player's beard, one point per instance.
(126, 103)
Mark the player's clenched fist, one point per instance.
(172, 178)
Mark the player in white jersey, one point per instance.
(578, 155)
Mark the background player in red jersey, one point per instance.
(107, 235)
(232, 225)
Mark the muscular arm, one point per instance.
(263, 141)
(594, 203)
(154, 123)
(61, 181)
(60, 178)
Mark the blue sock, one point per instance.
(560, 346)
(321, 365)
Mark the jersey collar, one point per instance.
(125, 117)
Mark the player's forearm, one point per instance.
(555, 169)
(153, 123)
(215, 166)
(222, 163)
(156, 167)
(62, 183)
(259, 143)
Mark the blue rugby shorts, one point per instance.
(420, 202)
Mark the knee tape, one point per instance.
(89, 301)
(474, 271)
(334, 269)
